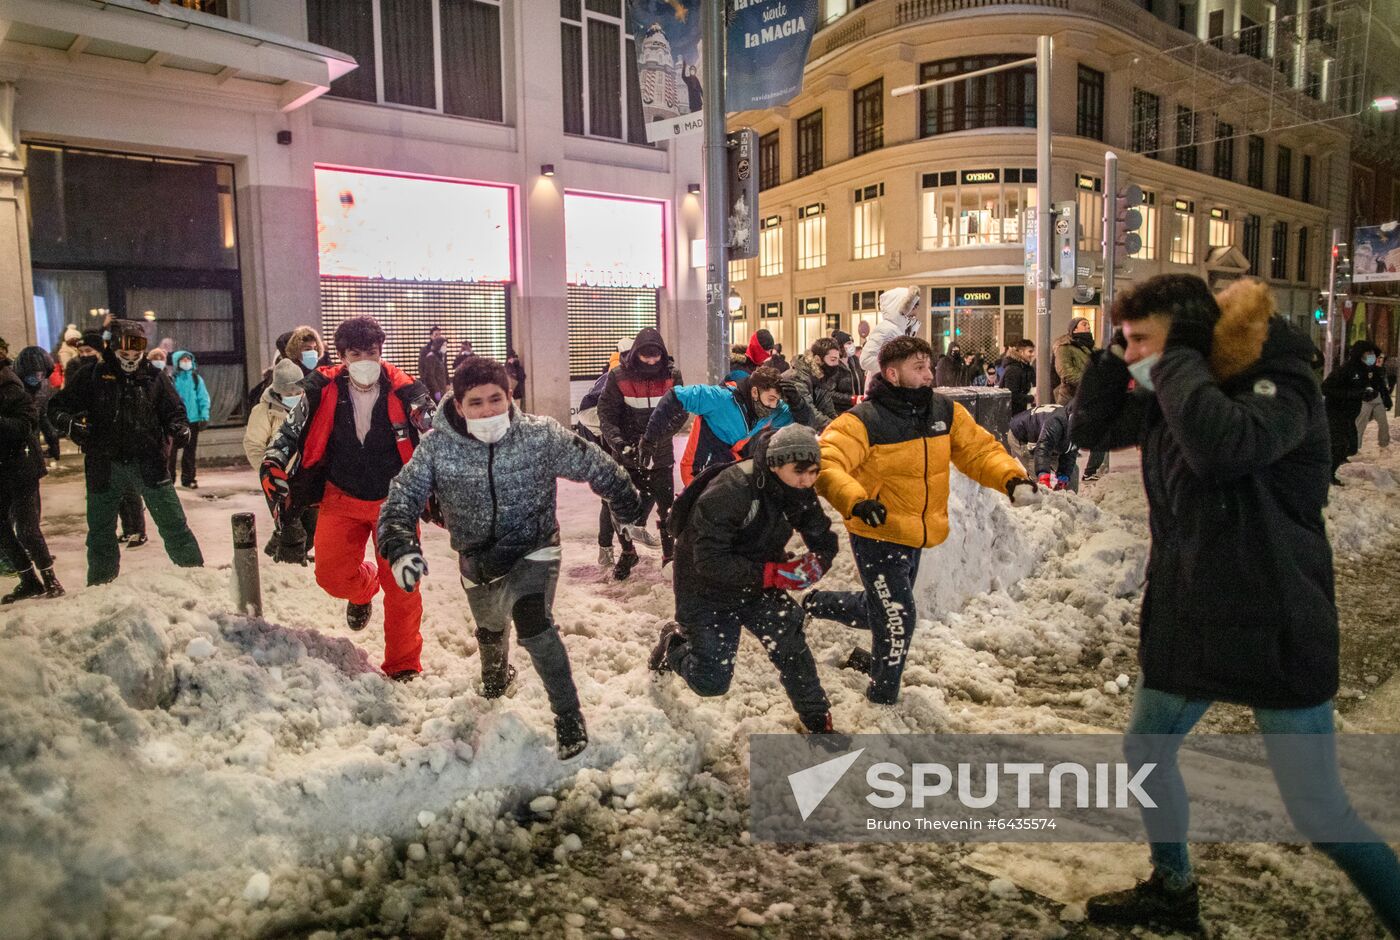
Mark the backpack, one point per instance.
(680, 511)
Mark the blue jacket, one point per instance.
(193, 392)
(725, 418)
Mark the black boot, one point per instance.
(625, 563)
(497, 673)
(51, 586)
(29, 586)
(570, 734)
(137, 540)
(672, 634)
(668, 546)
(1151, 902)
(860, 660)
(357, 615)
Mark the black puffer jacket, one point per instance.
(1019, 380)
(850, 384)
(734, 520)
(21, 460)
(129, 415)
(1239, 603)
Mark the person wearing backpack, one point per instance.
(195, 395)
(733, 571)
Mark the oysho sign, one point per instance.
(977, 296)
(981, 176)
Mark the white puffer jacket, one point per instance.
(897, 304)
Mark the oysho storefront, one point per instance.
(981, 319)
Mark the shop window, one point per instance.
(1183, 232)
(770, 318)
(975, 207)
(1221, 232)
(1088, 193)
(865, 307)
(770, 246)
(1000, 99)
(438, 55)
(811, 322)
(811, 236)
(868, 222)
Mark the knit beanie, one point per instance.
(795, 443)
(71, 335)
(286, 378)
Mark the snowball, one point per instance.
(1073, 914)
(258, 888)
(199, 648)
(1111, 688)
(426, 819)
(416, 852)
(1123, 681)
(543, 805)
(575, 919)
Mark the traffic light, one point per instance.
(1320, 309)
(1127, 219)
(1341, 279)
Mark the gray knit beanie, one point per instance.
(795, 443)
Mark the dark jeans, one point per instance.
(1096, 460)
(104, 560)
(21, 540)
(886, 609)
(706, 659)
(187, 460)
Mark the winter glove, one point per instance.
(1061, 483)
(1190, 332)
(870, 511)
(646, 455)
(1047, 480)
(78, 431)
(1023, 492)
(409, 569)
(793, 575)
(180, 437)
(275, 487)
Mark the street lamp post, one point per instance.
(716, 199)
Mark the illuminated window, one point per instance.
(770, 318)
(601, 91)
(811, 322)
(1222, 231)
(811, 236)
(1088, 192)
(1148, 251)
(975, 207)
(439, 55)
(865, 308)
(1183, 233)
(739, 270)
(868, 222)
(770, 246)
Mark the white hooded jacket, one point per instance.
(897, 304)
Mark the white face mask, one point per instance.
(849, 349)
(291, 401)
(365, 372)
(489, 430)
(185, 365)
(1142, 371)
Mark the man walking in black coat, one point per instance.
(121, 411)
(732, 570)
(1239, 604)
(432, 364)
(1019, 375)
(1345, 389)
(22, 542)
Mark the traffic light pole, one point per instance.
(1329, 342)
(1110, 246)
(716, 199)
(1044, 50)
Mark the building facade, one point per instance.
(863, 191)
(230, 169)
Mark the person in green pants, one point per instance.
(121, 412)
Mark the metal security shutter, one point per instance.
(408, 309)
(599, 317)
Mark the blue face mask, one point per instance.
(1369, 359)
(309, 358)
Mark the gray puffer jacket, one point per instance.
(497, 500)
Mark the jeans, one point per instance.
(1096, 460)
(21, 539)
(103, 558)
(886, 609)
(706, 659)
(1311, 789)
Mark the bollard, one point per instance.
(247, 585)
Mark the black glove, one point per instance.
(1191, 332)
(180, 437)
(629, 457)
(646, 454)
(870, 511)
(78, 431)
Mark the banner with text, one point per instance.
(767, 51)
(667, 34)
(1375, 254)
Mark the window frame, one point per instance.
(1183, 221)
(867, 202)
(868, 118)
(1092, 85)
(809, 139)
(768, 266)
(955, 99)
(1141, 140)
(770, 167)
(811, 228)
(626, 73)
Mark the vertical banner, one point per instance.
(742, 223)
(667, 34)
(767, 51)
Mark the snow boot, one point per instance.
(672, 634)
(860, 660)
(29, 586)
(605, 556)
(1151, 902)
(570, 734)
(625, 563)
(497, 673)
(357, 615)
(51, 586)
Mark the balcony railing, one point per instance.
(212, 7)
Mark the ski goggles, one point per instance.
(130, 342)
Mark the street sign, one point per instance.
(742, 190)
(1066, 254)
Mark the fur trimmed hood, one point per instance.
(1247, 308)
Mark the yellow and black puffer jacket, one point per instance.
(899, 446)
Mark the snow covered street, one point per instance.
(170, 768)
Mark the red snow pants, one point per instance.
(345, 525)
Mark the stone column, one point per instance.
(16, 277)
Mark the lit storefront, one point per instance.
(981, 319)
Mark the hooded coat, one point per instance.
(432, 367)
(497, 500)
(1071, 357)
(760, 349)
(1239, 604)
(21, 459)
(897, 309)
(950, 370)
(726, 424)
(191, 388)
(1018, 378)
(808, 388)
(632, 393)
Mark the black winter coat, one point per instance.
(130, 416)
(432, 369)
(850, 384)
(21, 459)
(741, 519)
(1344, 390)
(1239, 604)
(1019, 380)
(632, 392)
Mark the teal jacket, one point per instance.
(193, 392)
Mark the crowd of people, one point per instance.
(1239, 444)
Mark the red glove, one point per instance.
(275, 487)
(1047, 480)
(793, 575)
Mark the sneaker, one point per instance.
(605, 556)
(625, 563)
(861, 661)
(570, 734)
(672, 634)
(136, 541)
(642, 535)
(405, 675)
(357, 615)
(1151, 902)
(492, 689)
